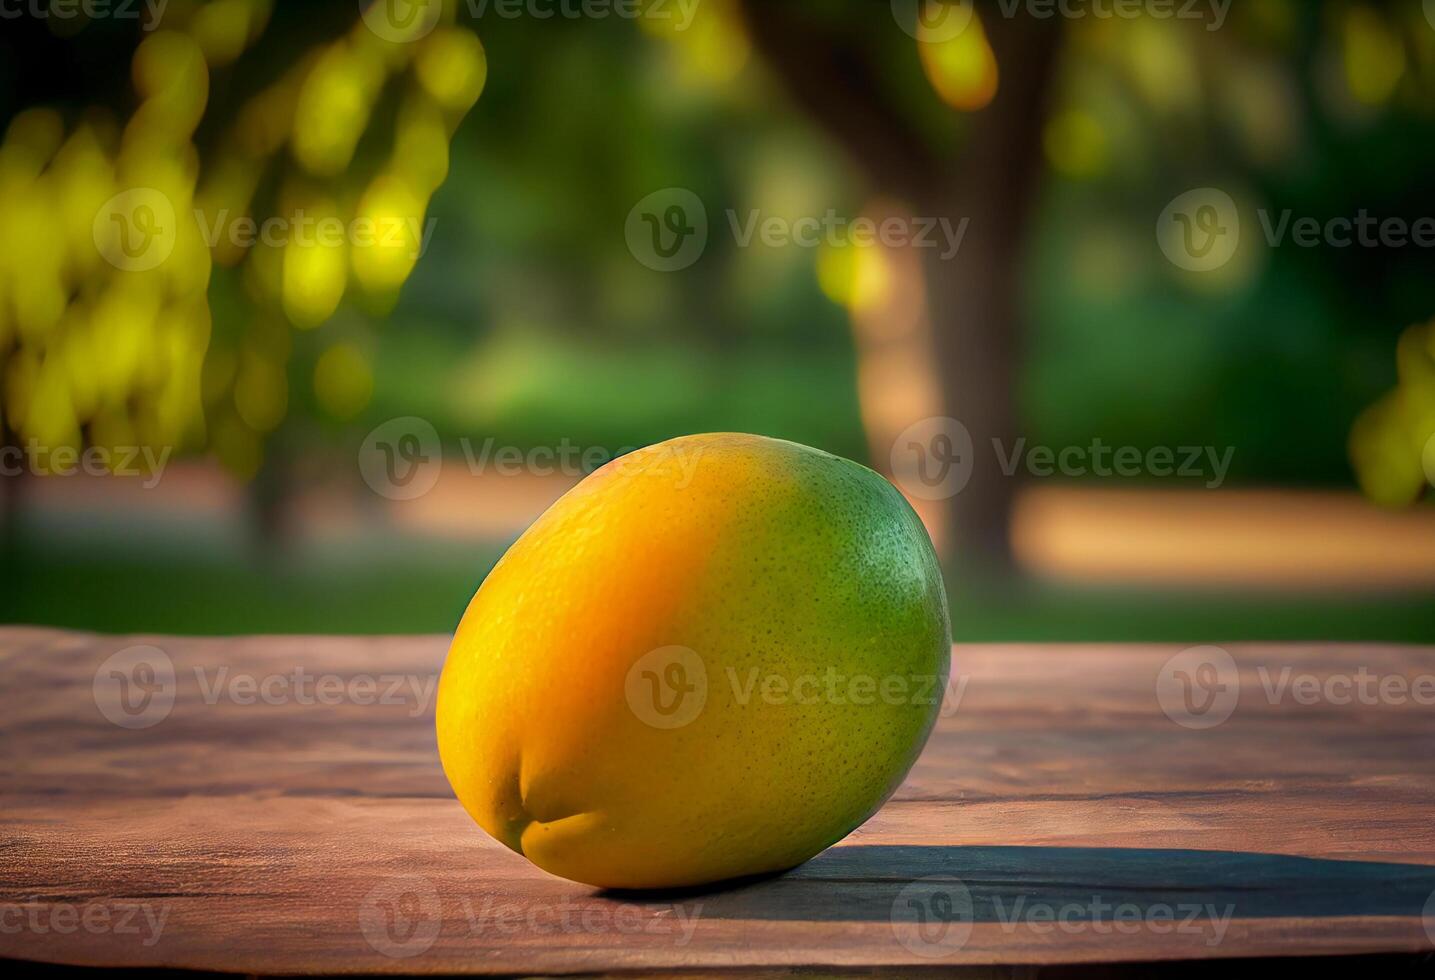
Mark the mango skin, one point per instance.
(769, 562)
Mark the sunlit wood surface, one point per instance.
(306, 837)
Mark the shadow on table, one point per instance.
(874, 882)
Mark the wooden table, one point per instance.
(1060, 815)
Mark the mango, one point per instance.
(712, 658)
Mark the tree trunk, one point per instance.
(974, 299)
(974, 333)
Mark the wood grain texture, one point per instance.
(1058, 812)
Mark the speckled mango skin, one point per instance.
(771, 562)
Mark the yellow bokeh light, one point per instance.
(99, 346)
(836, 272)
(333, 108)
(855, 276)
(421, 145)
(224, 28)
(962, 68)
(1380, 453)
(452, 67)
(715, 46)
(171, 76)
(1374, 56)
(388, 234)
(315, 264)
(1075, 144)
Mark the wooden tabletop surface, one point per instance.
(275, 805)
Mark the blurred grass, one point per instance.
(111, 594)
